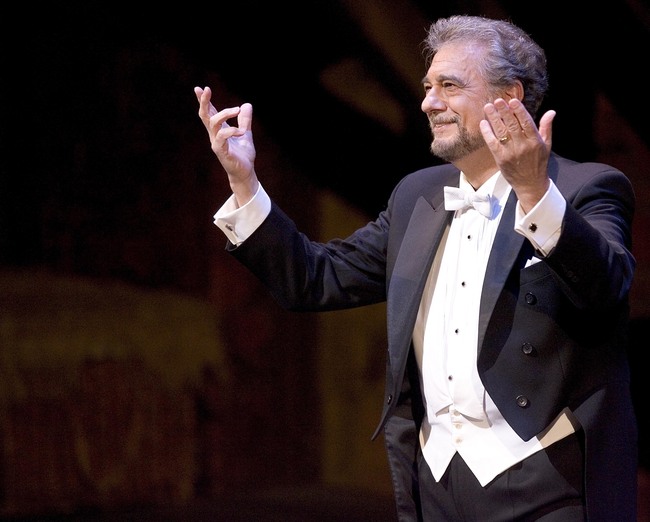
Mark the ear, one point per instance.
(516, 90)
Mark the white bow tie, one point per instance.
(459, 199)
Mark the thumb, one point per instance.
(546, 127)
(245, 117)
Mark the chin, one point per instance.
(442, 149)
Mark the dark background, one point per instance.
(106, 171)
(66, 134)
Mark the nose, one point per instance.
(432, 102)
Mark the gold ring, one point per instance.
(504, 139)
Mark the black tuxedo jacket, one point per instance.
(551, 335)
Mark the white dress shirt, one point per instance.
(460, 415)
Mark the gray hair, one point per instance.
(510, 53)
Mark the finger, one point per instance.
(202, 106)
(508, 117)
(497, 127)
(219, 120)
(488, 133)
(245, 117)
(198, 92)
(206, 109)
(523, 122)
(546, 127)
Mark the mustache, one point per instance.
(442, 121)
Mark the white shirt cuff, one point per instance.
(238, 223)
(543, 224)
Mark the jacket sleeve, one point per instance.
(592, 259)
(305, 275)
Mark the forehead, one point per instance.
(457, 59)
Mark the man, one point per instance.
(507, 384)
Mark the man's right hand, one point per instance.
(233, 145)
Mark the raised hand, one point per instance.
(520, 149)
(233, 145)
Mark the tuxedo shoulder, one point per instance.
(445, 174)
(566, 165)
(571, 176)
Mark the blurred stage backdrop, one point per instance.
(139, 364)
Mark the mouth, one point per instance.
(440, 128)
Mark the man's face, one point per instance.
(454, 97)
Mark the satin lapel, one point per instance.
(505, 250)
(421, 239)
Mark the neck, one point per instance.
(478, 166)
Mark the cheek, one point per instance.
(471, 115)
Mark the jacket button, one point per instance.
(527, 349)
(522, 401)
(531, 299)
(390, 399)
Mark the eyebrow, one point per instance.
(443, 77)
